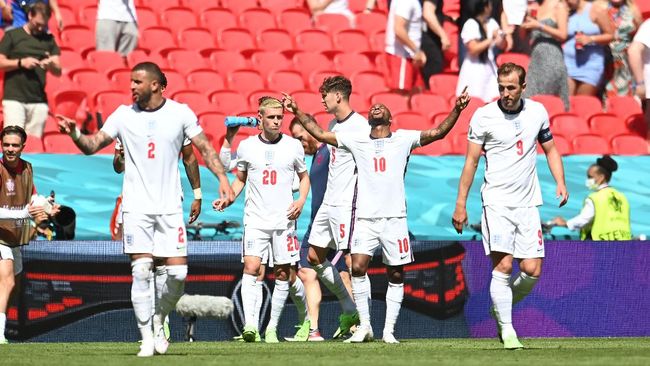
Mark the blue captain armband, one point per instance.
(544, 135)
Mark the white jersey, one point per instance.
(510, 142)
(342, 174)
(271, 167)
(382, 165)
(152, 141)
(411, 10)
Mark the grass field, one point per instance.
(539, 351)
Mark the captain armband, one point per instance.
(544, 135)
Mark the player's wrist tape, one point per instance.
(76, 134)
(197, 194)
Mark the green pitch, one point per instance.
(540, 351)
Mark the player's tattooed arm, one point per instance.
(191, 165)
(118, 160)
(439, 132)
(88, 144)
(309, 123)
(213, 163)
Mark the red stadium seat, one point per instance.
(436, 148)
(71, 60)
(585, 105)
(349, 63)
(629, 145)
(371, 23)
(178, 18)
(552, 103)
(229, 102)
(368, 83)
(236, 39)
(58, 143)
(238, 6)
(73, 104)
(278, 6)
(205, 81)
(255, 96)
(309, 101)
(562, 145)
(316, 78)
(159, 4)
(276, 40)
(120, 79)
(186, 60)
(298, 19)
(196, 39)
(569, 125)
(351, 40)
(213, 124)
(197, 101)
(157, 38)
(245, 81)
(411, 121)
(87, 16)
(459, 144)
(34, 145)
(520, 59)
(257, 20)
(147, 18)
(91, 81)
(199, 6)
(429, 104)
(137, 56)
(78, 37)
(359, 103)
(396, 103)
(265, 62)
(175, 81)
(623, 106)
(105, 61)
(225, 62)
(636, 123)
(308, 62)
(216, 20)
(608, 125)
(443, 84)
(314, 40)
(285, 80)
(69, 16)
(331, 23)
(590, 144)
(108, 101)
(378, 41)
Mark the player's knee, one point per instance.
(177, 273)
(252, 269)
(531, 267)
(141, 269)
(359, 269)
(395, 276)
(282, 275)
(7, 283)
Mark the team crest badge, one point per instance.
(11, 186)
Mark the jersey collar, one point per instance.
(346, 118)
(152, 110)
(270, 142)
(516, 111)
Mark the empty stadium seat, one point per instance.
(229, 102)
(623, 106)
(436, 148)
(186, 60)
(213, 124)
(199, 6)
(608, 125)
(314, 40)
(239, 6)
(370, 23)
(585, 105)
(411, 121)
(331, 22)
(87, 16)
(637, 124)
(429, 104)
(91, 81)
(359, 103)
(552, 103)
(298, 19)
(107, 102)
(58, 143)
(569, 125)
(73, 104)
(71, 60)
(196, 39)
(68, 15)
(563, 145)
(459, 144)
(349, 63)
(378, 41)
(245, 81)
(205, 81)
(308, 101)
(257, 20)
(136, 56)
(159, 4)
(236, 39)
(147, 18)
(265, 62)
(216, 20)
(178, 18)
(285, 80)
(351, 40)
(276, 40)
(590, 144)
(197, 101)
(443, 84)
(78, 37)
(157, 38)
(225, 62)
(34, 145)
(120, 79)
(368, 83)
(316, 78)
(521, 59)
(308, 62)
(629, 145)
(396, 103)
(105, 61)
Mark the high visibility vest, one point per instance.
(611, 217)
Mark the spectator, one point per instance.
(403, 36)
(480, 34)
(547, 72)
(434, 39)
(318, 7)
(605, 214)
(626, 18)
(590, 30)
(26, 55)
(117, 28)
(639, 59)
(466, 11)
(20, 8)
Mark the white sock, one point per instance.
(360, 289)
(332, 280)
(3, 322)
(141, 295)
(522, 286)
(501, 295)
(259, 301)
(248, 298)
(394, 296)
(172, 290)
(297, 293)
(159, 279)
(279, 298)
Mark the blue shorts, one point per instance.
(337, 258)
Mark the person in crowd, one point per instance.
(434, 39)
(590, 31)
(639, 59)
(605, 214)
(317, 7)
(117, 26)
(20, 12)
(404, 57)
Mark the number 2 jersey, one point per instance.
(152, 141)
(271, 167)
(509, 140)
(381, 164)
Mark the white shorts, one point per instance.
(12, 253)
(332, 227)
(512, 230)
(162, 236)
(267, 257)
(391, 233)
(283, 244)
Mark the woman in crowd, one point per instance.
(626, 18)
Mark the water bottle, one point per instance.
(232, 121)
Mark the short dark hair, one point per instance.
(39, 7)
(337, 83)
(606, 166)
(154, 70)
(509, 67)
(14, 130)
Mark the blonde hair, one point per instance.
(268, 102)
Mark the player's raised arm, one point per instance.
(437, 133)
(459, 219)
(213, 163)
(87, 144)
(308, 122)
(557, 170)
(191, 164)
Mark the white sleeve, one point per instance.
(413, 137)
(585, 216)
(470, 31)
(6, 213)
(643, 34)
(342, 139)
(403, 9)
(476, 132)
(191, 125)
(112, 124)
(299, 162)
(242, 164)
